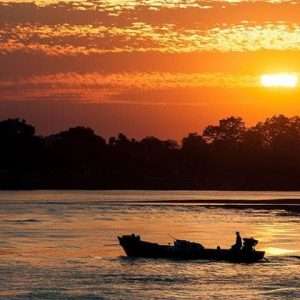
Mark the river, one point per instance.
(63, 245)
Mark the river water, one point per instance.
(62, 245)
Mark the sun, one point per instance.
(285, 80)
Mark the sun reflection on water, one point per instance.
(279, 251)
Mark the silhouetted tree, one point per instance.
(19, 147)
(78, 147)
(226, 156)
(158, 154)
(229, 130)
(279, 131)
(193, 144)
(280, 137)
(195, 153)
(16, 129)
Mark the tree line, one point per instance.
(225, 156)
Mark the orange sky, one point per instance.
(162, 68)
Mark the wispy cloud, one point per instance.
(192, 17)
(145, 81)
(117, 6)
(97, 87)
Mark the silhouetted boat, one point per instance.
(185, 250)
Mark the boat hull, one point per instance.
(139, 248)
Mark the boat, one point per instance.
(186, 250)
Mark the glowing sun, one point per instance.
(286, 80)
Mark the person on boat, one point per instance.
(238, 242)
(249, 244)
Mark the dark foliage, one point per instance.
(226, 156)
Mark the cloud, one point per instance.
(182, 16)
(106, 88)
(72, 40)
(118, 6)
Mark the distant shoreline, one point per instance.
(205, 199)
(236, 201)
(290, 205)
(289, 208)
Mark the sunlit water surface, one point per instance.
(62, 245)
